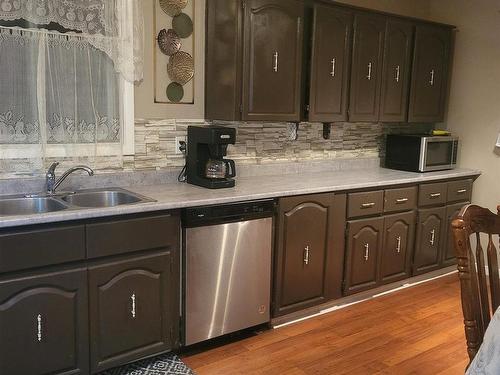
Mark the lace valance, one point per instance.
(113, 26)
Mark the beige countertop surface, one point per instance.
(180, 195)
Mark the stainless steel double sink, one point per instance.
(95, 198)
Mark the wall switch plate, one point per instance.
(178, 141)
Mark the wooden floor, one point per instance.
(413, 331)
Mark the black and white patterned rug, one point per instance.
(165, 364)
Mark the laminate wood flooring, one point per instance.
(417, 330)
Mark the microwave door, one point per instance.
(437, 154)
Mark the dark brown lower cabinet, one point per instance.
(430, 242)
(449, 253)
(309, 250)
(364, 242)
(44, 324)
(397, 247)
(132, 309)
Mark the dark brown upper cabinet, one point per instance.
(330, 64)
(310, 250)
(366, 73)
(272, 60)
(396, 71)
(429, 84)
(254, 60)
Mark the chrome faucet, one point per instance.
(50, 177)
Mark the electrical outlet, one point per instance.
(178, 141)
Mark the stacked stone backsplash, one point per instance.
(257, 143)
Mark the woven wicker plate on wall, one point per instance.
(173, 7)
(180, 67)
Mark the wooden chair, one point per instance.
(480, 286)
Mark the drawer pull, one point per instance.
(398, 244)
(367, 252)
(306, 255)
(435, 195)
(461, 191)
(39, 328)
(368, 205)
(133, 311)
(401, 200)
(275, 64)
(433, 237)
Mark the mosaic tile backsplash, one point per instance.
(257, 143)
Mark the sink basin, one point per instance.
(28, 206)
(103, 198)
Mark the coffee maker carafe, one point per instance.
(205, 163)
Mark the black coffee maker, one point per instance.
(205, 164)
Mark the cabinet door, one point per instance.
(132, 303)
(330, 63)
(398, 244)
(452, 211)
(366, 68)
(430, 74)
(308, 260)
(364, 241)
(44, 324)
(272, 61)
(396, 71)
(430, 234)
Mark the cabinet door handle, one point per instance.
(368, 205)
(432, 78)
(39, 336)
(133, 312)
(332, 73)
(275, 65)
(306, 255)
(461, 191)
(369, 76)
(433, 237)
(398, 71)
(367, 252)
(435, 195)
(398, 244)
(401, 200)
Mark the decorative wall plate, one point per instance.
(180, 67)
(183, 25)
(173, 7)
(169, 42)
(175, 92)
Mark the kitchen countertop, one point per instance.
(180, 195)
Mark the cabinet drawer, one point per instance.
(432, 194)
(459, 191)
(403, 199)
(30, 248)
(129, 235)
(366, 203)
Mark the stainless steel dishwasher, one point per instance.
(227, 268)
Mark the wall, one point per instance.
(474, 110)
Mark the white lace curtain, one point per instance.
(62, 92)
(116, 27)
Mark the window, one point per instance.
(66, 79)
